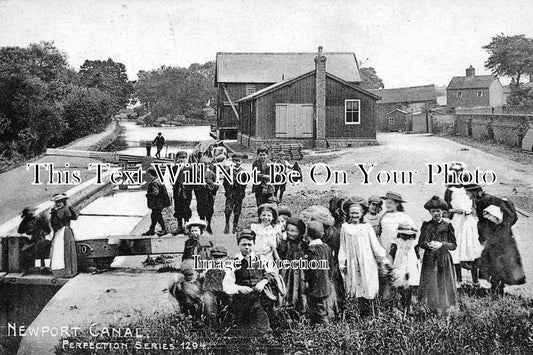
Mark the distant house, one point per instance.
(396, 120)
(475, 92)
(409, 99)
(317, 109)
(241, 74)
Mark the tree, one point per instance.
(510, 56)
(109, 77)
(370, 80)
(176, 91)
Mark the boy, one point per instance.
(318, 280)
(246, 282)
(182, 192)
(262, 164)
(157, 199)
(235, 193)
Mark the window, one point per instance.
(352, 111)
(249, 89)
(459, 94)
(391, 120)
(480, 93)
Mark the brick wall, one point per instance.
(508, 130)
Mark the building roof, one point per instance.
(471, 82)
(410, 94)
(275, 67)
(284, 83)
(401, 111)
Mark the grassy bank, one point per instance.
(482, 324)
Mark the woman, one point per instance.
(63, 256)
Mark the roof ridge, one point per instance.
(273, 53)
(406, 87)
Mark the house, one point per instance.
(316, 109)
(240, 74)
(475, 92)
(409, 99)
(396, 120)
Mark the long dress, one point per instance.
(63, 253)
(437, 281)
(360, 252)
(265, 240)
(465, 226)
(389, 227)
(294, 278)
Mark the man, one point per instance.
(234, 192)
(159, 142)
(182, 192)
(263, 190)
(157, 199)
(245, 281)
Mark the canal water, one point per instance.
(114, 214)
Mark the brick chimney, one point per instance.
(471, 71)
(320, 101)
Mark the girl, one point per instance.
(266, 232)
(405, 264)
(63, 254)
(294, 248)
(196, 245)
(464, 221)
(391, 219)
(437, 238)
(359, 255)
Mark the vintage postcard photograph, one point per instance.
(266, 177)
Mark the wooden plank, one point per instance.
(13, 254)
(522, 211)
(33, 279)
(231, 102)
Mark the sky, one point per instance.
(408, 42)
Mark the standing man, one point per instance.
(157, 199)
(235, 193)
(262, 164)
(182, 192)
(159, 142)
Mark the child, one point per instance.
(234, 192)
(359, 255)
(294, 248)
(390, 220)
(283, 215)
(182, 192)
(437, 238)
(205, 193)
(405, 264)
(262, 165)
(63, 254)
(319, 286)
(373, 216)
(464, 221)
(212, 278)
(266, 232)
(196, 245)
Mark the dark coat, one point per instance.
(60, 218)
(263, 173)
(437, 280)
(157, 195)
(235, 190)
(319, 280)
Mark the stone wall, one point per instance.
(508, 130)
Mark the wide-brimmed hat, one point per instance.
(196, 222)
(59, 197)
(298, 223)
(406, 228)
(219, 251)
(393, 196)
(457, 166)
(270, 207)
(355, 200)
(375, 199)
(284, 210)
(246, 234)
(28, 210)
(181, 153)
(473, 187)
(436, 203)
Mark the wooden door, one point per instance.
(294, 120)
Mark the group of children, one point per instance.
(368, 252)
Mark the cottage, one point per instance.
(483, 93)
(315, 109)
(413, 99)
(396, 120)
(241, 74)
